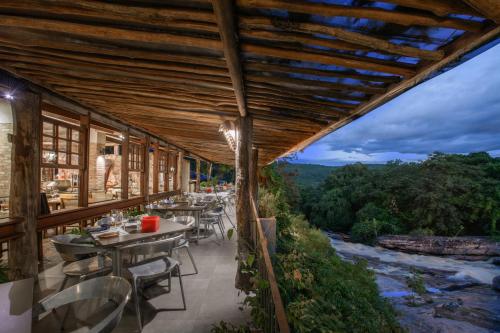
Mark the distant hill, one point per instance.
(309, 174)
(314, 174)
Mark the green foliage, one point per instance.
(321, 292)
(223, 327)
(446, 195)
(4, 277)
(416, 283)
(82, 233)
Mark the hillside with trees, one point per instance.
(446, 195)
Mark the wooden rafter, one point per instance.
(224, 10)
(487, 8)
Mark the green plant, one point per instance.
(416, 282)
(82, 233)
(4, 277)
(223, 327)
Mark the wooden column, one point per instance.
(145, 171)
(209, 172)
(243, 204)
(178, 171)
(198, 167)
(84, 170)
(254, 176)
(25, 184)
(124, 173)
(168, 164)
(156, 167)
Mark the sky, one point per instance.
(455, 112)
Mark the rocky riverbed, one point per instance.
(457, 296)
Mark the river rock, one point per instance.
(495, 284)
(496, 261)
(437, 245)
(475, 316)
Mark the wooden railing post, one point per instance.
(198, 167)
(84, 171)
(25, 184)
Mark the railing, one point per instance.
(274, 319)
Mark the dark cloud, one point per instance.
(456, 112)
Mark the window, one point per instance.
(60, 161)
(162, 171)
(6, 125)
(151, 169)
(136, 167)
(105, 164)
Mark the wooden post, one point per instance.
(25, 181)
(84, 169)
(124, 171)
(209, 172)
(178, 171)
(166, 173)
(145, 171)
(156, 167)
(254, 176)
(198, 167)
(243, 204)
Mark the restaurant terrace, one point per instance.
(108, 107)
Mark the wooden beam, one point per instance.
(454, 52)
(488, 8)
(365, 41)
(399, 17)
(350, 62)
(438, 7)
(224, 13)
(107, 32)
(24, 200)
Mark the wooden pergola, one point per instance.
(281, 73)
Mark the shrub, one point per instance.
(367, 231)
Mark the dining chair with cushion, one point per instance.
(156, 266)
(110, 292)
(86, 260)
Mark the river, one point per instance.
(459, 296)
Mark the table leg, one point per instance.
(116, 259)
(197, 219)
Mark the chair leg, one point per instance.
(63, 284)
(221, 231)
(182, 288)
(137, 306)
(215, 232)
(192, 260)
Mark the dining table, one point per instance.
(16, 301)
(196, 209)
(130, 235)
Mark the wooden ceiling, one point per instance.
(179, 69)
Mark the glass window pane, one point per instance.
(48, 156)
(75, 135)
(74, 159)
(63, 132)
(48, 129)
(61, 158)
(75, 147)
(62, 145)
(48, 143)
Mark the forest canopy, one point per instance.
(445, 195)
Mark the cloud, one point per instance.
(456, 112)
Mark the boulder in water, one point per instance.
(496, 261)
(437, 245)
(495, 284)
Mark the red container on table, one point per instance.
(150, 223)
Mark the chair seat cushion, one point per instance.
(153, 267)
(87, 266)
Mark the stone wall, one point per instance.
(5, 148)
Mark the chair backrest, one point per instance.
(64, 246)
(154, 247)
(112, 288)
(184, 219)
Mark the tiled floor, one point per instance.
(210, 294)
